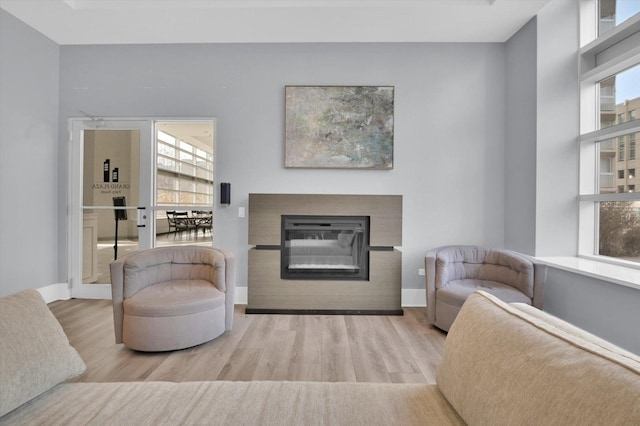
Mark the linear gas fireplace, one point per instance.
(325, 248)
(325, 254)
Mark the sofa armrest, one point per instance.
(522, 366)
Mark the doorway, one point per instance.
(137, 184)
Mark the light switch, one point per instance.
(240, 211)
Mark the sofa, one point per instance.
(503, 364)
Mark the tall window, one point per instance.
(610, 91)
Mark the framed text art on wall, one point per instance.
(347, 127)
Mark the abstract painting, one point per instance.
(339, 127)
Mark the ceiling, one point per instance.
(71, 22)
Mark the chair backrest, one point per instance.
(478, 263)
(165, 264)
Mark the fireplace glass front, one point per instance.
(325, 247)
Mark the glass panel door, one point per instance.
(110, 196)
(184, 183)
(135, 185)
(111, 188)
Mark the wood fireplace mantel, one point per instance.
(269, 293)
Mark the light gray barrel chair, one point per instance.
(452, 273)
(170, 298)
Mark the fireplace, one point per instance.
(324, 254)
(325, 248)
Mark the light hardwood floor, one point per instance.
(265, 347)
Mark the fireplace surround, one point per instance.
(349, 242)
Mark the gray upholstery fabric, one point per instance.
(171, 298)
(35, 354)
(452, 273)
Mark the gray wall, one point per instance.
(29, 190)
(449, 125)
(520, 149)
(604, 309)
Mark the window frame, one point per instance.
(601, 58)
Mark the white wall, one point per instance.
(449, 125)
(29, 146)
(557, 130)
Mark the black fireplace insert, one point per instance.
(325, 247)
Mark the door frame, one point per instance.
(147, 127)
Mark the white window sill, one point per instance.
(616, 274)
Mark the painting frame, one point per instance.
(339, 127)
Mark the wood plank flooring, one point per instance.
(265, 347)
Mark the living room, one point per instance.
(484, 146)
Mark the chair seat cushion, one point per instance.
(456, 292)
(174, 298)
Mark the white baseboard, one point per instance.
(51, 293)
(242, 295)
(413, 297)
(54, 292)
(91, 291)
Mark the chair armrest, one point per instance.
(430, 284)
(117, 293)
(230, 285)
(539, 280)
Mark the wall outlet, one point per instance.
(421, 271)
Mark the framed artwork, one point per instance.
(348, 127)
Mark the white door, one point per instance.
(128, 180)
(110, 199)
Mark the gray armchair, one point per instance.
(172, 298)
(452, 273)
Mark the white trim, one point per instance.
(242, 295)
(618, 196)
(612, 37)
(615, 274)
(600, 135)
(621, 63)
(414, 297)
(92, 291)
(410, 297)
(54, 292)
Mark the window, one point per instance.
(610, 99)
(620, 149)
(614, 12)
(184, 172)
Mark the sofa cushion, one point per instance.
(456, 292)
(511, 364)
(477, 263)
(163, 264)
(174, 298)
(35, 354)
